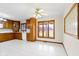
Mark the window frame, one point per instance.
(48, 29)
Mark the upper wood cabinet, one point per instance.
(28, 24)
(8, 24)
(16, 26)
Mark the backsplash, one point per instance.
(5, 30)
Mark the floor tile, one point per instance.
(22, 48)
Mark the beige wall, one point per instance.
(58, 29)
(71, 44)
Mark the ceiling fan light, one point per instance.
(39, 13)
(38, 16)
(34, 15)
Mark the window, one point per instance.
(46, 29)
(23, 27)
(40, 29)
(1, 25)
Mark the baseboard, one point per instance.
(65, 49)
(9, 40)
(49, 41)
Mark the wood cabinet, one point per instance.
(10, 36)
(31, 26)
(8, 24)
(18, 36)
(6, 36)
(16, 26)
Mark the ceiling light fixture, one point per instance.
(39, 13)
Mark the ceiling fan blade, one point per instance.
(41, 10)
(44, 14)
(39, 13)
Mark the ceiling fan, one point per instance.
(39, 13)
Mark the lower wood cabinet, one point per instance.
(6, 36)
(10, 36)
(18, 36)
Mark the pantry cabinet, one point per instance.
(31, 29)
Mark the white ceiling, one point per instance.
(23, 11)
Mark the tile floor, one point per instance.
(22, 48)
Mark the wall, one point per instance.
(58, 29)
(71, 44)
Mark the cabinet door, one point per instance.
(8, 24)
(18, 36)
(10, 36)
(33, 28)
(5, 25)
(16, 26)
(31, 25)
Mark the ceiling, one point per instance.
(22, 11)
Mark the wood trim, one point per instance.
(70, 10)
(78, 19)
(77, 36)
(71, 34)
